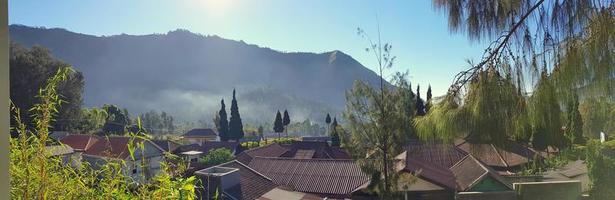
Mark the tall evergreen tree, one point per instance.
(428, 104)
(235, 126)
(278, 125)
(335, 136)
(420, 104)
(574, 126)
(286, 122)
(223, 124)
(328, 121)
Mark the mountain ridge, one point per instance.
(186, 74)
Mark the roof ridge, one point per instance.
(311, 159)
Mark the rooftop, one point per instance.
(200, 132)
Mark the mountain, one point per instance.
(186, 74)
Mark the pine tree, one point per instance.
(286, 122)
(574, 126)
(235, 125)
(428, 105)
(328, 121)
(278, 125)
(335, 136)
(223, 125)
(420, 104)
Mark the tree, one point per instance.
(420, 104)
(375, 117)
(335, 137)
(261, 132)
(117, 120)
(545, 116)
(217, 156)
(328, 121)
(235, 125)
(93, 119)
(29, 69)
(223, 124)
(428, 104)
(286, 122)
(278, 125)
(574, 125)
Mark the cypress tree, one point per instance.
(428, 104)
(235, 125)
(574, 126)
(278, 125)
(328, 121)
(420, 104)
(223, 122)
(335, 136)
(286, 122)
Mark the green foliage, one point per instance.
(157, 123)
(335, 136)
(328, 119)
(545, 116)
(600, 163)
(305, 127)
(598, 115)
(222, 123)
(29, 69)
(574, 123)
(217, 156)
(93, 119)
(278, 125)
(493, 112)
(37, 174)
(420, 104)
(235, 130)
(117, 120)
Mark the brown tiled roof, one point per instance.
(439, 154)
(470, 171)
(272, 150)
(432, 160)
(511, 155)
(112, 147)
(252, 184)
(80, 142)
(444, 164)
(326, 177)
(200, 132)
(321, 150)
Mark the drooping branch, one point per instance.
(463, 77)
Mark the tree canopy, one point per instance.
(222, 123)
(235, 128)
(29, 69)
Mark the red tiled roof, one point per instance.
(80, 142)
(252, 184)
(272, 150)
(441, 155)
(326, 177)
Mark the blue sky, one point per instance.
(419, 34)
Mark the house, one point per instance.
(443, 171)
(80, 142)
(146, 162)
(330, 178)
(193, 152)
(66, 153)
(234, 180)
(506, 160)
(198, 136)
(167, 145)
(297, 149)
